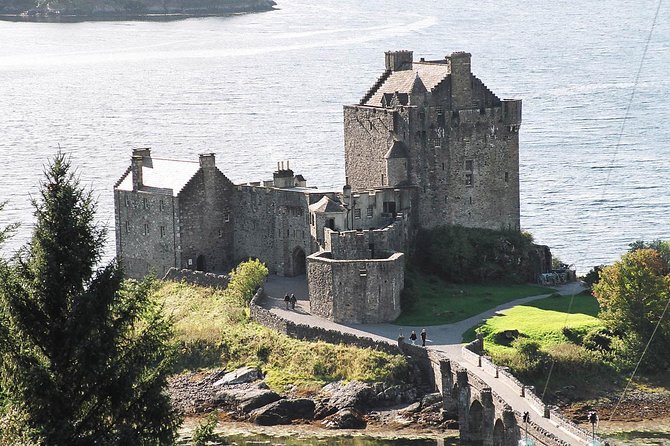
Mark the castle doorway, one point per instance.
(298, 262)
(200, 263)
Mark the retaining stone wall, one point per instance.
(197, 278)
(305, 332)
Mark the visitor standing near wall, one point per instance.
(412, 337)
(287, 300)
(423, 337)
(293, 301)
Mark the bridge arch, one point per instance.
(475, 420)
(499, 433)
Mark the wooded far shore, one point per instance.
(80, 10)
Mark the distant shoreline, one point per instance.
(57, 17)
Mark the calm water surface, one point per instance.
(256, 89)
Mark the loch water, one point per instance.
(259, 88)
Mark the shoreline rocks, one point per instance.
(338, 405)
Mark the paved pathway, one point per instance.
(445, 338)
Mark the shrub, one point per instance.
(593, 276)
(459, 254)
(204, 433)
(598, 339)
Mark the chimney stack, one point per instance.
(207, 160)
(137, 163)
(398, 60)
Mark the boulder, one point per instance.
(246, 399)
(239, 376)
(355, 395)
(283, 412)
(345, 419)
(431, 399)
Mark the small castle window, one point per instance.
(468, 179)
(163, 231)
(161, 205)
(127, 201)
(469, 165)
(226, 217)
(144, 203)
(311, 219)
(370, 211)
(506, 177)
(442, 166)
(357, 213)
(146, 228)
(127, 227)
(382, 179)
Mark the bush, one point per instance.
(204, 433)
(598, 339)
(593, 276)
(459, 254)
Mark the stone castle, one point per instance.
(429, 144)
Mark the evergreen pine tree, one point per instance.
(85, 355)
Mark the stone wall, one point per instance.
(145, 231)
(207, 220)
(273, 225)
(356, 291)
(367, 138)
(197, 278)
(308, 333)
(369, 244)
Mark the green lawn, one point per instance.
(542, 321)
(431, 301)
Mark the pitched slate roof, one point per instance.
(163, 174)
(404, 81)
(325, 204)
(397, 150)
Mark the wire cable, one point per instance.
(646, 347)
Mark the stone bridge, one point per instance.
(468, 386)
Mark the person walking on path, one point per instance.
(412, 337)
(293, 300)
(423, 337)
(287, 300)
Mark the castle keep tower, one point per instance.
(434, 127)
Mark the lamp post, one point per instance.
(526, 441)
(593, 419)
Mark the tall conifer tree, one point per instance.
(85, 355)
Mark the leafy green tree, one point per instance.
(632, 294)
(246, 278)
(84, 355)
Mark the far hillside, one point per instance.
(109, 9)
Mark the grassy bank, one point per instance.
(548, 338)
(214, 331)
(429, 300)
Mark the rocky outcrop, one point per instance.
(345, 419)
(338, 405)
(112, 9)
(284, 412)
